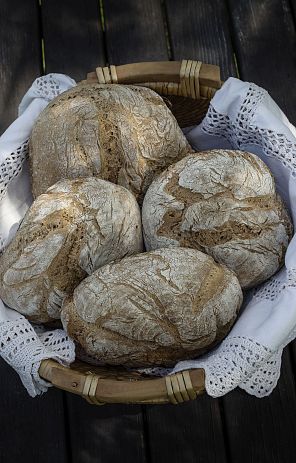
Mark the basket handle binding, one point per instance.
(187, 78)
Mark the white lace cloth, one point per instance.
(241, 116)
(22, 346)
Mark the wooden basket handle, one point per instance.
(177, 388)
(186, 78)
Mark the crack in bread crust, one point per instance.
(223, 203)
(70, 231)
(153, 308)
(124, 134)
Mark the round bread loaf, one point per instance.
(153, 308)
(74, 228)
(223, 203)
(124, 134)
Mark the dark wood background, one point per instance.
(250, 39)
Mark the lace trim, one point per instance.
(255, 95)
(238, 361)
(47, 87)
(291, 277)
(238, 134)
(262, 382)
(242, 131)
(22, 349)
(60, 343)
(271, 290)
(12, 166)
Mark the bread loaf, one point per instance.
(71, 230)
(124, 134)
(153, 308)
(223, 203)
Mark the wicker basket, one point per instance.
(188, 87)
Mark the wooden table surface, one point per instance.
(252, 39)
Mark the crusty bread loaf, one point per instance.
(223, 203)
(124, 134)
(73, 229)
(153, 308)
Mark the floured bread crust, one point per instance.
(223, 203)
(153, 308)
(121, 133)
(74, 228)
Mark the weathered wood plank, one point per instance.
(200, 30)
(293, 6)
(105, 434)
(20, 55)
(134, 31)
(188, 432)
(32, 430)
(73, 37)
(265, 41)
(263, 429)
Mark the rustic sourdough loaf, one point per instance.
(124, 134)
(223, 203)
(71, 230)
(153, 308)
